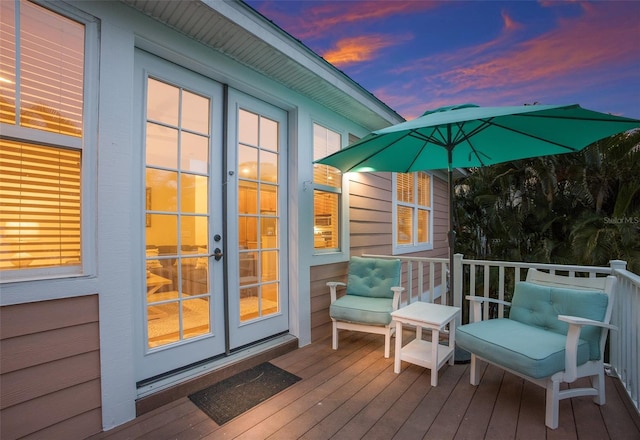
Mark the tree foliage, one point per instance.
(580, 208)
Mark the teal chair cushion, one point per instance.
(373, 277)
(524, 348)
(539, 306)
(361, 309)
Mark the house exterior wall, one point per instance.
(70, 370)
(50, 369)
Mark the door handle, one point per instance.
(217, 254)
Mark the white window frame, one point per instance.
(415, 247)
(342, 252)
(88, 170)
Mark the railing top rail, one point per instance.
(564, 267)
(624, 273)
(398, 257)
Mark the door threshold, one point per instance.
(164, 390)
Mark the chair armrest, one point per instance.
(576, 320)
(573, 336)
(332, 289)
(476, 302)
(397, 290)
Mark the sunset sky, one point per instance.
(419, 55)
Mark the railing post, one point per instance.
(457, 286)
(617, 265)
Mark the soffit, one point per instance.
(241, 33)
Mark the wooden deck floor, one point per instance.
(353, 393)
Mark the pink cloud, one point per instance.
(362, 48)
(317, 20)
(581, 53)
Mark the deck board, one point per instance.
(353, 393)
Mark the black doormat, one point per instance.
(231, 397)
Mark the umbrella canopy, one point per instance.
(466, 136)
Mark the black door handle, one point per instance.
(217, 254)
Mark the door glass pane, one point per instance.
(258, 229)
(195, 316)
(165, 183)
(195, 112)
(193, 193)
(177, 215)
(194, 153)
(162, 146)
(163, 102)
(248, 162)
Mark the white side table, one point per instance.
(434, 317)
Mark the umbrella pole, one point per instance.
(452, 232)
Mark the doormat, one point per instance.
(231, 397)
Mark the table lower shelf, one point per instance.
(419, 352)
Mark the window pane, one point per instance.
(162, 190)
(268, 199)
(39, 206)
(162, 146)
(51, 71)
(194, 153)
(405, 225)
(7, 63)
(268, 134)
(195, 316)
(162, 231)
(193, 193)
(268, 167)
(247, 197)
(326, 175)
(404, 187)
(326, 220)
(269, 265)
(423, 226)
(162, 102)
(248, 162)
(248, 127)
(270, 299)
(325, 142)
(195, 112)
(424, 189)
(163, 324)
(195, 232)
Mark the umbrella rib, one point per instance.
(377, 151)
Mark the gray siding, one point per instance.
(50, 369)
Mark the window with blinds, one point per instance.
(413, 210)
(41, 90)
(39, 205)
(327, 190)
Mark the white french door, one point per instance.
(213, 224)
(256, 238)
(181, 303)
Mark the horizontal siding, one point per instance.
(371, 222)
(50, 369)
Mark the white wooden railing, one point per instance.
(496, 279)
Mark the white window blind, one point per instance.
(41, 90)
(39, 206)
(328, 187)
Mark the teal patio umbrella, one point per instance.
(467, 135)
